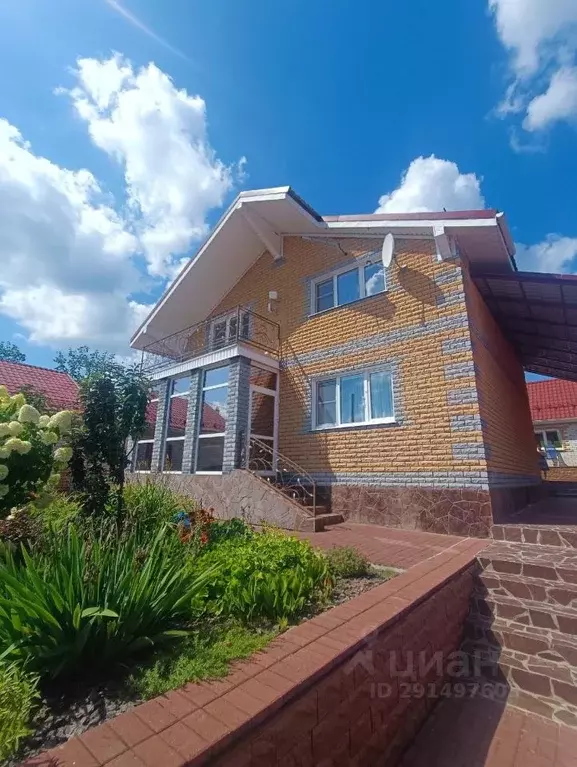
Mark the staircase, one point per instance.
(293, 483)
(522, 625)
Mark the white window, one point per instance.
(214, 415)
(144, 446)
(176, 424)
(353, 399)
(549, 438)
(224, 330)
(348, 284)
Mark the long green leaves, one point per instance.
(85, 603)
(18, 693)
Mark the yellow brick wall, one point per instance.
(503, 399)
(424, 443)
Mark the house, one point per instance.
(554, 412)
(59, 389)
(399, 393)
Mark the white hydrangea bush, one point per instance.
(33, 451)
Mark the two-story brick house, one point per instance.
(394, 390)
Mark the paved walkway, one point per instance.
(387, 546)
(478, 732)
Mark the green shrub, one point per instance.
(151, 503)
(18, 693)
(268, 575)
(85, 603)
(346, 562)
(58, 513)
(228, 529)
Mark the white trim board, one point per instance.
(213, 358)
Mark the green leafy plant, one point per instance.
(228, 529)
(31, 450)
(269, 575)
(18, 695)
(346, 562)
(86, 603)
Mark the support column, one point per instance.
(160, 428)
(192, 419)
(238, 413)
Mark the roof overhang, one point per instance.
(258, 221)
(538, 314)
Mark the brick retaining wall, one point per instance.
(312, 698)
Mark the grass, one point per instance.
(206, 655)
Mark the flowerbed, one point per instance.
(97, 615)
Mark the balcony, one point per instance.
(240, 326)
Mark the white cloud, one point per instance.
(559, 102)
(158, 134)
(555, 254)
(541, 36)
(71, 262)
(431, 184)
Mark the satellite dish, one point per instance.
(388, 250)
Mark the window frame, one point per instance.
(200, 436)
(239, 335)
(165, 438)
(366, 374)
(333, 275)
(145, 441)
(543, 433)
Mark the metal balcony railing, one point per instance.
(238, 326)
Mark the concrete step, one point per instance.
(325, 520)
(544, 535)
(552, 593)
(545, 563)
(524, 611)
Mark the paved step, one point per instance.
(544, 535)
(526, 612)
(547, 563)
(534, 589)
(325, 520)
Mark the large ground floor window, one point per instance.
(144, 446)
(179, 389)
(213, 419)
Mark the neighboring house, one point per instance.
(554, 412)
(60, 391)
(400, 392)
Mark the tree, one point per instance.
(114, 412)
(84, 362)
(10, 352)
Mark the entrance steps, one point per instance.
(522, 624)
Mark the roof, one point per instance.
(552, 400)
(258, 220)
(60, 390)
(538, 314)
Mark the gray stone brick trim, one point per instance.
(368, 343)
(449, 276)
(451, 479)
(460, 369)
(466, 423)
(469, 451)
(456, 345)
(465, 396)
(162, 387)
(192, 422)
(389, 365)
(238, 412)
(498, 479)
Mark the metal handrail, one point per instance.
(288, 476)
(239, 325)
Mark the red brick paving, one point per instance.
(387, 546)
(479, 732)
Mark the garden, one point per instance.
(111, 592)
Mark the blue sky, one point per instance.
(112, 170)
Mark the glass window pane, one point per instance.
(553, 438)
(216, 376)
(210, 454)
(261, 377)
(324, 295)
(143, 461)
(348, 287)
(245, 325)
(150, 419)
(374, 279)
(181, 385)
(352, 399)
(219, 334)
(262, 414)
(214, 411)
(178, 409)
(327, 403)
(381, 395)
(539, 439)
(173, 455)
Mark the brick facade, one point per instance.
(462, 437)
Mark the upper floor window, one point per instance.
(354, 399)
(224, 330)
(348, 284)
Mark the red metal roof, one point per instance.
(60, 390)
(552, 400)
